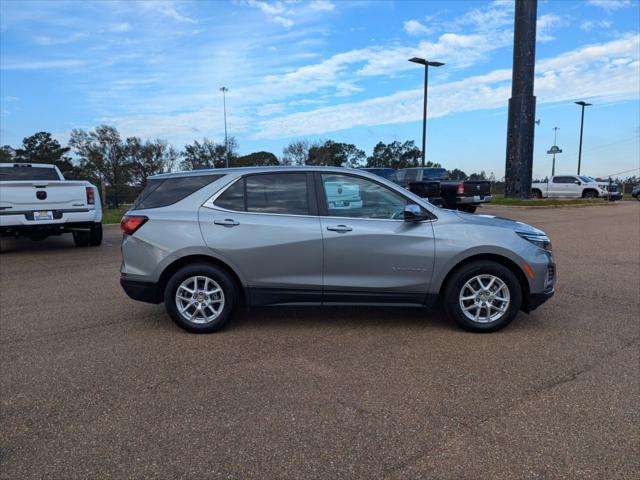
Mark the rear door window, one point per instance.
(284, 193)
(161, 192)
(232, 198)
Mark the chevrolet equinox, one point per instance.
(206, 240)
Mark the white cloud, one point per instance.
(171, 12)
(610, 5)
(40, 64)
(48, 40)
(588, 25)
(120, 27)
(545, 23)
(285, 22)
(608, 71)
(322, 6)
(414, 27)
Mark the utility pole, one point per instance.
(426, 64)
(224, 90)
(582, 104)
(522, 104)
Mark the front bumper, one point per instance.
(141, 291)
(473, 200)
(537, 299)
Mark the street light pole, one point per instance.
(426, 64)
(224, 90)
(582, 104)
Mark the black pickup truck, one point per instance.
(434, 184)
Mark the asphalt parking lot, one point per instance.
(95, 385)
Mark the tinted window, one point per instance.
(435, 174)
(167, 191)
(284, 193)
(28, 173)
(563, 179)
(355, 197)
(233, 197)
(411, 175)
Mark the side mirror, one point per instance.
(578, 182)
(413, 213)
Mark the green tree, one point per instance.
(457, 174)
(259, 159)
(41, 147)
(478, 176)
(336, 154)
(208, 154)
(7, 154)
(103, 157)
(395, 155)
(148, 158)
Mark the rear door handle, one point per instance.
(227, 222)
(339, 228)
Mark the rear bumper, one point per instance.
(43, 228)
(141, 291)
(473, 199)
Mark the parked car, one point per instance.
(36, 202)
(635, 193)
(568, 186)
(453, 194)
(612, 189)
(388, 173)
(203, 241)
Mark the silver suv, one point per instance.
(204, 241)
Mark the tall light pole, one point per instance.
(554, 149)
(426, 64)
(224, 90)
(582, 104)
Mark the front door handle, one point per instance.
(339, 228)
(227, 222)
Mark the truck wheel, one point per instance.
(200, 298)
(589, 194)
(81, 238)
(483, 296)
(536, 193)
(95, 235)
(470, 208)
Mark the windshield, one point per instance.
(587, 179)
(435, 174)
(28, 173)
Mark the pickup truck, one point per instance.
(434, 184)
(569, 186)
(36, 202)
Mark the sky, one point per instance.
(325, 69)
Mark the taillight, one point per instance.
(91, 196)
(460, 190)
(129, 224)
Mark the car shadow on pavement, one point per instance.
(20, 245)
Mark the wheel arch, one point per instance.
(584, 192)
(502, 260)
(177, 264)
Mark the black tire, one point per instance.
(81, 238)
(95, 235)
(589, 194)
(470, 208)
(536, 193)
(222, 278)
(466, 272)
(638, 198)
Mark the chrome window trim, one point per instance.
(210, 204)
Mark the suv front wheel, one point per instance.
(200, 298)
(483, 296)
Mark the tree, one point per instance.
(149, 158)
(335, 154)
(41, 147)
(7, 154)
(457, 174)
(395, 155)
(208, 154)
(478, 176)
(103, 157)
(296, 153)
(258, 159)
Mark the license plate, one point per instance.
(43, 215)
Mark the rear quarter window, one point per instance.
(162, 192)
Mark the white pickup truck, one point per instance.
(569, 186)
(36, 202)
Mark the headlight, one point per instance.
(539, 240)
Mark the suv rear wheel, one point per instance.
(200, 298)
(483, 296)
